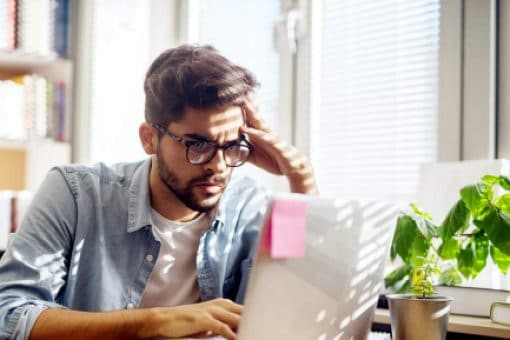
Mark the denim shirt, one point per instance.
(85, 242)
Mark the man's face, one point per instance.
(199, 187)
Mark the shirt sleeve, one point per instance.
(34, 268)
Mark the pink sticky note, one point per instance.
(286, 229)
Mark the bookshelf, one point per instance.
(36, 86)
(25, 161)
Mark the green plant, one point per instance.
(476, 227)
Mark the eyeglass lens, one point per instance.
(202, 152)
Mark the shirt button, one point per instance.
(149, 258)
(130, 305)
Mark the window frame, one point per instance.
(503, 80)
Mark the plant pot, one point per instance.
(415, 318)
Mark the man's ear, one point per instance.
(148, 137)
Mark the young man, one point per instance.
(159, 248)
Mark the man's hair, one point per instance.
(193, 76)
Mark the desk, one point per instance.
(459, 324)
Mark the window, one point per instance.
(377, 102)
(120, 59)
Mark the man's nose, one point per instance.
(217, 164)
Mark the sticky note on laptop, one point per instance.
(286, 229)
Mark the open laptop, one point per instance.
(331, 292)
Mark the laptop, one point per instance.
(331, 292)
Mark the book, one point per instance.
(38, 27)
(30, 105)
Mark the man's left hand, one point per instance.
(274, 155)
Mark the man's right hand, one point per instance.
(215, 317)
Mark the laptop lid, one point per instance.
(331, 292)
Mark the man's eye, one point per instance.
(200, 146)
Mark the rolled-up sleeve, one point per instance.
(33, 269)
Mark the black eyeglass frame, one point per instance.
(216, 146)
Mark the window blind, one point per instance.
(377, 119)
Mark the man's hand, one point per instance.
(215, 317)
(274, 155)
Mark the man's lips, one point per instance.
(211, 187)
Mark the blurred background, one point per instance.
(370, 90)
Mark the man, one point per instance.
(171, 236)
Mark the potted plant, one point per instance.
(476, 227)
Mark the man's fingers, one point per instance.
(269, 143)
(253, 119)
(254, 133)
(220, 328)
(231, 306)
(231, 319)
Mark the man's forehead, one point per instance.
(213, 121)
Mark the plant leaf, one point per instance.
(497, 227)
(476, 197)
(449, 249)
(419, 212)
(504, 182)
(419, 250)
(403, 239)
(405, 287)
(500, 259)
(503, 203)
(424, 224)
(490, 179)
(421, 283)
(481, 253)
(451, 276)
(457, 219)
(397, 275)
(466, 260)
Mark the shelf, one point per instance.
(459, 324)
(13, 144)
(24, 144)
(11, 62)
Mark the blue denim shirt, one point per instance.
(84, 241)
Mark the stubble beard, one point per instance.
(186, 195)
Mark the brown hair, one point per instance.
(193, 76)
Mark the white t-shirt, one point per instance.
(174, 278)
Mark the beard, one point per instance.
(185, 193)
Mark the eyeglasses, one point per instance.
(199, 152)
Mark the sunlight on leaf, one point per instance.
(457, 219)
(500, 259)
(449, 249)
(504, 182)
(503, 203)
